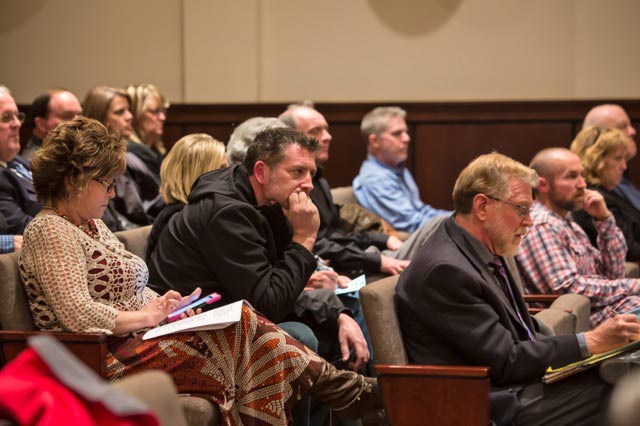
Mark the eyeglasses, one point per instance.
(108, 186)
(523, 211)
(9, 116)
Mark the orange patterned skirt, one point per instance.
(252, 370)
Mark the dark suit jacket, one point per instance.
(18, 201)
(452, 312)
(627, 219)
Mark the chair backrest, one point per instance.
(135, 240)
(14, 308)
(379, 308)
(343, 195)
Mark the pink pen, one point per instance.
(207, 300)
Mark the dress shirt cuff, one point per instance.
(378, 239)
(371, 261)
(6, 244)
(582, 342)
(604, 225)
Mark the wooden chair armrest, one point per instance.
(433, 370)
(89, 347)
(436, 393)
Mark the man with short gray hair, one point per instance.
(384, 185)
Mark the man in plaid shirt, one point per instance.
(556, 255)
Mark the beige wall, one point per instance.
(217, 51)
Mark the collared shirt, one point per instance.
(392, 194)
(6, 244)
(557, 257)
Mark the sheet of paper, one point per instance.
(210, 320)
(354, 285)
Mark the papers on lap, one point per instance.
(214, 319)
(354, 285)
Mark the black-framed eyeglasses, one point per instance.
(108, 186)
(9, 116)
(523, 211)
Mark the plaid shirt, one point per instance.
(6, 243)
(557, 257)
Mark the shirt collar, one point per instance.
(399, 169)
(483, 251)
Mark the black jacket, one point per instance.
(627, 218)
(345, 251)
(221, 241)
(452, 312)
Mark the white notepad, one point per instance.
(214, 319)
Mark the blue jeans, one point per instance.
(303, 334)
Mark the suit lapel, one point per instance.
(483, 269)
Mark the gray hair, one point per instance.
(244, 134)
(375, 121)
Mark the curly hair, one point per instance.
(592, 145)
(73, 153)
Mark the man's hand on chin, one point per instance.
(304, 218)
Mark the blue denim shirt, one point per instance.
(392, 194)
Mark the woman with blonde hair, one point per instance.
(603, 154)
(149, 109)
(79, 278)
(192, 156)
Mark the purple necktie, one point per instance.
(503, 279)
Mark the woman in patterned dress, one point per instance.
(79, 278)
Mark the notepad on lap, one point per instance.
(214, 319)
(354, 285)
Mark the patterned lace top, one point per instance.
(76, 282)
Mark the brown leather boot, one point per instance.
(349, 394)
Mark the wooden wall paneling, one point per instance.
(443, 150)
(346, 153)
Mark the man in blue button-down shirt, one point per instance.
(384, 185)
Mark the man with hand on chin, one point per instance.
(557, 257)
(247, 233)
